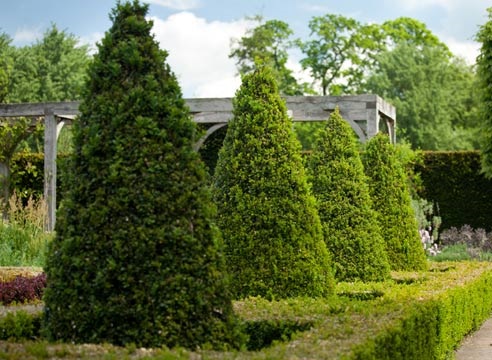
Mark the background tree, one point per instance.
(484, 65)
(338, 52)
(52, 69)
(432, 90)
(350, 226)
(273, 236)
(433, 94)
(391, 198)
(268, 44)
(5, 65)
(136, 258)
(411, 32)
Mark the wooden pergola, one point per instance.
(364, 113)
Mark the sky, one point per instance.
(197, 33)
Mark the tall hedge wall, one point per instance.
(454, 182)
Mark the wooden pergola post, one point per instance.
(50, 125)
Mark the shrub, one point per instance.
(22, 289)
(20, 325)
(466, 235)
(350, 226)
(391, 198)
(273, 236)
(454, 182)
(136, 258)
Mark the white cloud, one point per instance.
(177, 4)
(468, 50)
(199, 53)
(91, 40)
(27, 35)
(422, 4)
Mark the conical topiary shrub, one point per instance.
(391, 199)
(350, 225)
(136, 258)
(272, 233)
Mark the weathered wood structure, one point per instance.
(365, 113)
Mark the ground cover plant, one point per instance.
(350, 226)
(136, 258)
(272, 233)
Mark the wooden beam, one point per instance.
(219, 110)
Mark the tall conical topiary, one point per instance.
(272, 233)
(350, 226)
(136, 258)
(391, 198)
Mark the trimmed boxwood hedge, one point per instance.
(454, 182)
(416, 316)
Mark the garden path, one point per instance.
(477, 346)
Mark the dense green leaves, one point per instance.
(271, 229)
(484, 63)
(52, 69)
(337, 54)
(392, 202)
(267, 45)
(433, 93)
(350, 226)
(5, 64)
(136, 258)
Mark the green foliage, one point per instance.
(23, 241)
(433, 93)
(264, 333)
(454, 182)
(338, 54)
(5, 64)
(273, 236)
(136, 258)
(267, 45)
(27, 175)
(484, 63)
(20, 325)
(209, 151)
(414, 316)
(350, 226)
(52, 69)
(391, 199)
(412, 32)
(452, 253)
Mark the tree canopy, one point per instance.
(267, 45)
(52, 69)
(484, 63)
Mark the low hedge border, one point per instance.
(415, 315)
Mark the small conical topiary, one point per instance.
(272, 233)
(350, 227)
(391, 199)
(136, 258)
